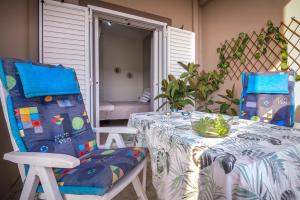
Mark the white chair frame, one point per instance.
(41, 164)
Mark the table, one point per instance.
(256, 161)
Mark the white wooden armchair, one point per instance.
(40, 171)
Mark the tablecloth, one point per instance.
(256, 161)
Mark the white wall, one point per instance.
(147, 61)
(122, 49)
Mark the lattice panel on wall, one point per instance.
(271, 60)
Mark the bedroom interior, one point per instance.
(125, 71)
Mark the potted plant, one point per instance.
(175, 92)
(201, 85)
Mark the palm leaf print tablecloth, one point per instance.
(256, 160)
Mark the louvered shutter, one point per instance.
(181, 47)
(64, 39)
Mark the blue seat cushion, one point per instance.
(99, 170)
(40, 81)
(53, 123)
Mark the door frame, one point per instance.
(158, 52)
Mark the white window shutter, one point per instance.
(181, 47)
(64, 39)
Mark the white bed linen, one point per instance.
(123, 109)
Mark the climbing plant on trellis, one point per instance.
(261, 56)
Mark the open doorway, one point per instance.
(129, 62)
(124, 71)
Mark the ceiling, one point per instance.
(124, 30)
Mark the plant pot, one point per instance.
(174, 110)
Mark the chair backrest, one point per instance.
(52, 123)
(268, 97)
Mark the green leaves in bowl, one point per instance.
(211, 126)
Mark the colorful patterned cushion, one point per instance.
(60, 124)
(99, 170)
(273, 106)
(56, 124)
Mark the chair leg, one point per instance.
(49, 183)
(144, 176)
(139, 189)
(30, 185)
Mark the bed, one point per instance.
(122, 109)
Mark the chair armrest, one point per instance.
(116, 130)
(114, 134)
(42, 159)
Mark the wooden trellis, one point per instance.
(272, 59)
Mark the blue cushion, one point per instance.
(42, 81)
(268, 84)
(99, 170)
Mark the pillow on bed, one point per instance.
(146, 96)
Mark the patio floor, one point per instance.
(129, 193)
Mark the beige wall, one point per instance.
(19, 29)
(18, 39)
(225, 19)
(125, 53)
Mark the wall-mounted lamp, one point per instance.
(109, 23)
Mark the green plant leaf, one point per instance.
(284, 55)
(171, 77)
(297, 77)
(183, 65)
(186, 102)
(284, 66)
(257, 55)
(164, 84)
(224, 107)
(210, 102)
(224, 97)
(264, 51)
(190, 68)
(236, 101)
(184, 75)
(161, 96)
